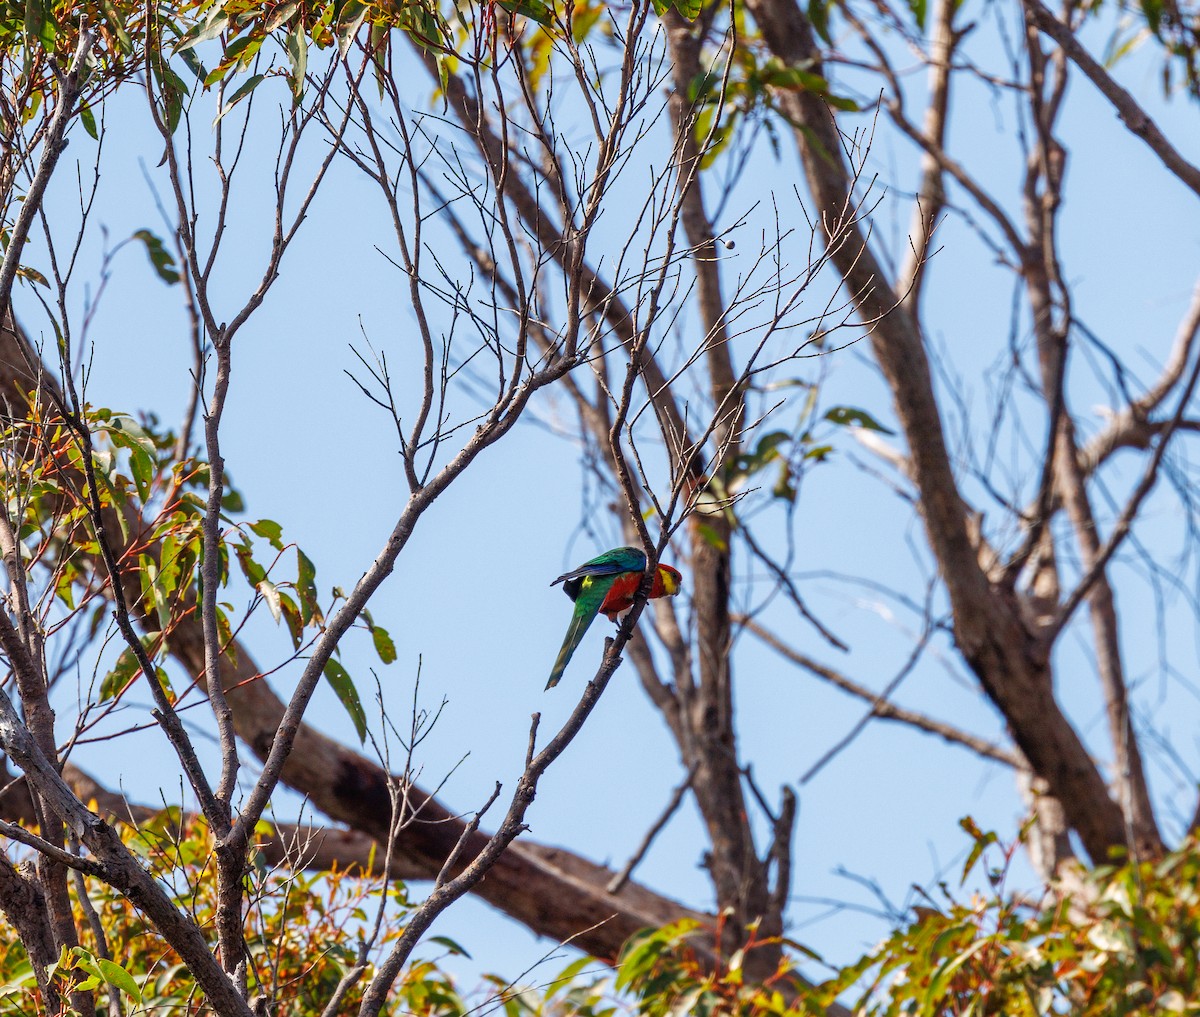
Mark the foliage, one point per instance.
(1124, 940)
(303, 932)
(138, 478)
(1176, 25)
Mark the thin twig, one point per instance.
(621, 878)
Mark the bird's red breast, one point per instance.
(667, 581)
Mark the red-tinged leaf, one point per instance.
(225, 635)
(117, 25)
(24, 272)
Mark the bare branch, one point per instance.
(881, 707)
(1132, 115)
(621, 878)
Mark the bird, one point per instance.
(607, 585)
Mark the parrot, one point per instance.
(607, 584)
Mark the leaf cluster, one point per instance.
(137, 478)
(302, 933)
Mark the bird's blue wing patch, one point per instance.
(621, 559)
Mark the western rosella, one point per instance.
(607, 585)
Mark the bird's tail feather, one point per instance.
(579, 625)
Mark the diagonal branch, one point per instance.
(1132, 115)
(882, 707)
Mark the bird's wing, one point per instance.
(610, 563)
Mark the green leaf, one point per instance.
(248, 86)
(445, 63)
(173, 88)
(702, 86)
(538, 11)
(118, 976)
(280, 16)
(982, 840)
(296, 46)
(251, 569)
(270, 530)
(350, 20)
(128, 433)
(160, 257)
(88, 119)
(64, 587)
(918, 8)
(818, 16)
(142, 467)
(39, 23)
(306, 587)
(209, 28)
(384, 645)
(116, 681)
(458, 951)
(232, 501)
(1153, 9)
(711, 537)
(344, 688)
(785, 485)
(848, 416)
(154, 588)
(765, 452)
